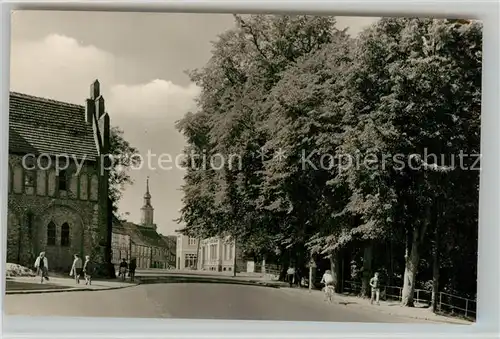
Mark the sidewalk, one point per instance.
(387, 307)
(56, 284)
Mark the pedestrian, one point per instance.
(290, 275)
(88, 270)
(42, 267)
(328, 280)
(131, 269)
(123, 269)
(76, 268)
(375, 287)
(298, 277)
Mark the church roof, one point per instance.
(118, 226)
(144, 236)
(44, 126)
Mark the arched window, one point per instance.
(51, 234)
(29, 172)
(29, 222)
(63, 180)
(65, 234)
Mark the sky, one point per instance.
(140, 60)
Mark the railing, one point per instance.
(447, 303)
(270, 269)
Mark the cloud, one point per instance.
(61, 68)
(156, 99)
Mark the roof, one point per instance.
(170, 239)
(145, 236)
(118, 226)
(44, 126)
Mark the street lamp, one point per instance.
(312, 264)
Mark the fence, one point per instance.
(446, 302)
(270, 269)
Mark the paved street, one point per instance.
(195, 301)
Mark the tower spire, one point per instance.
(147, 210)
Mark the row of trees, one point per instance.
(299, 87)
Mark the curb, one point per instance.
(343, 300)
(162, 280)
(68, 289)
(449, 321)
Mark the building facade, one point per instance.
(120, 244)
(214, 254)
(57, 196)
(171, 240)
(186, 252)
(220, 254)
(145, 244)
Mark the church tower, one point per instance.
(147, 210)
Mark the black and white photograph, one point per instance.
(244, 167)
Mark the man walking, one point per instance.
(131, 269)
(375, 287)
(77, 268)
(88, 270)
(42, 266)
(291, 275)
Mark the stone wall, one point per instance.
(35, 200)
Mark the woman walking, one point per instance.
(123, 269)
(42, 266)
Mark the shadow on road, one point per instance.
(22, 286)
(204, 280)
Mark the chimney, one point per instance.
(99, 107)
(95, 90)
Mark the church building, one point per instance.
(146, 245)
(58, 189)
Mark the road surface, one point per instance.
(195, 301)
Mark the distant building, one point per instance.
(120, 243)
(218, 254)
(186, 252)
(215, 254)
(146, 245)
(64, 210)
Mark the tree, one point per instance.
(368, 110)
(416, 84)
(246, 63)
(124, 156)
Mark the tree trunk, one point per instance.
(435, 270)
(197, 260)
(390, 260)
(412, 260)
(367, 270)
(335, 268)
(234, 258)
(410, 274)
